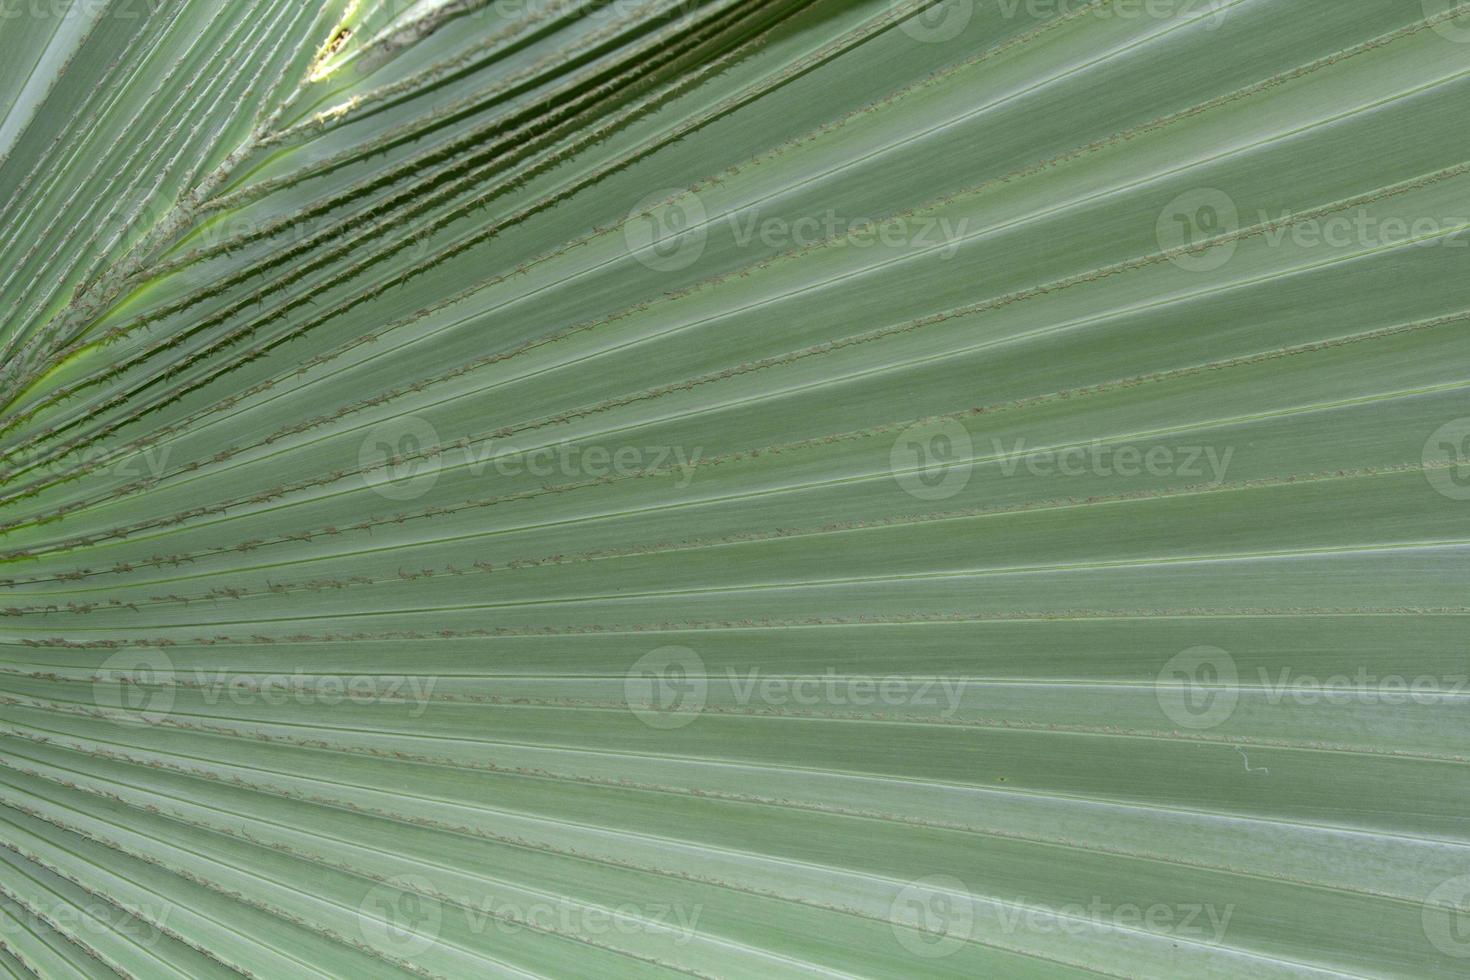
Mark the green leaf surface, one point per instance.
(734, 488)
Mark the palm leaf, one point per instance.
(734, 488)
